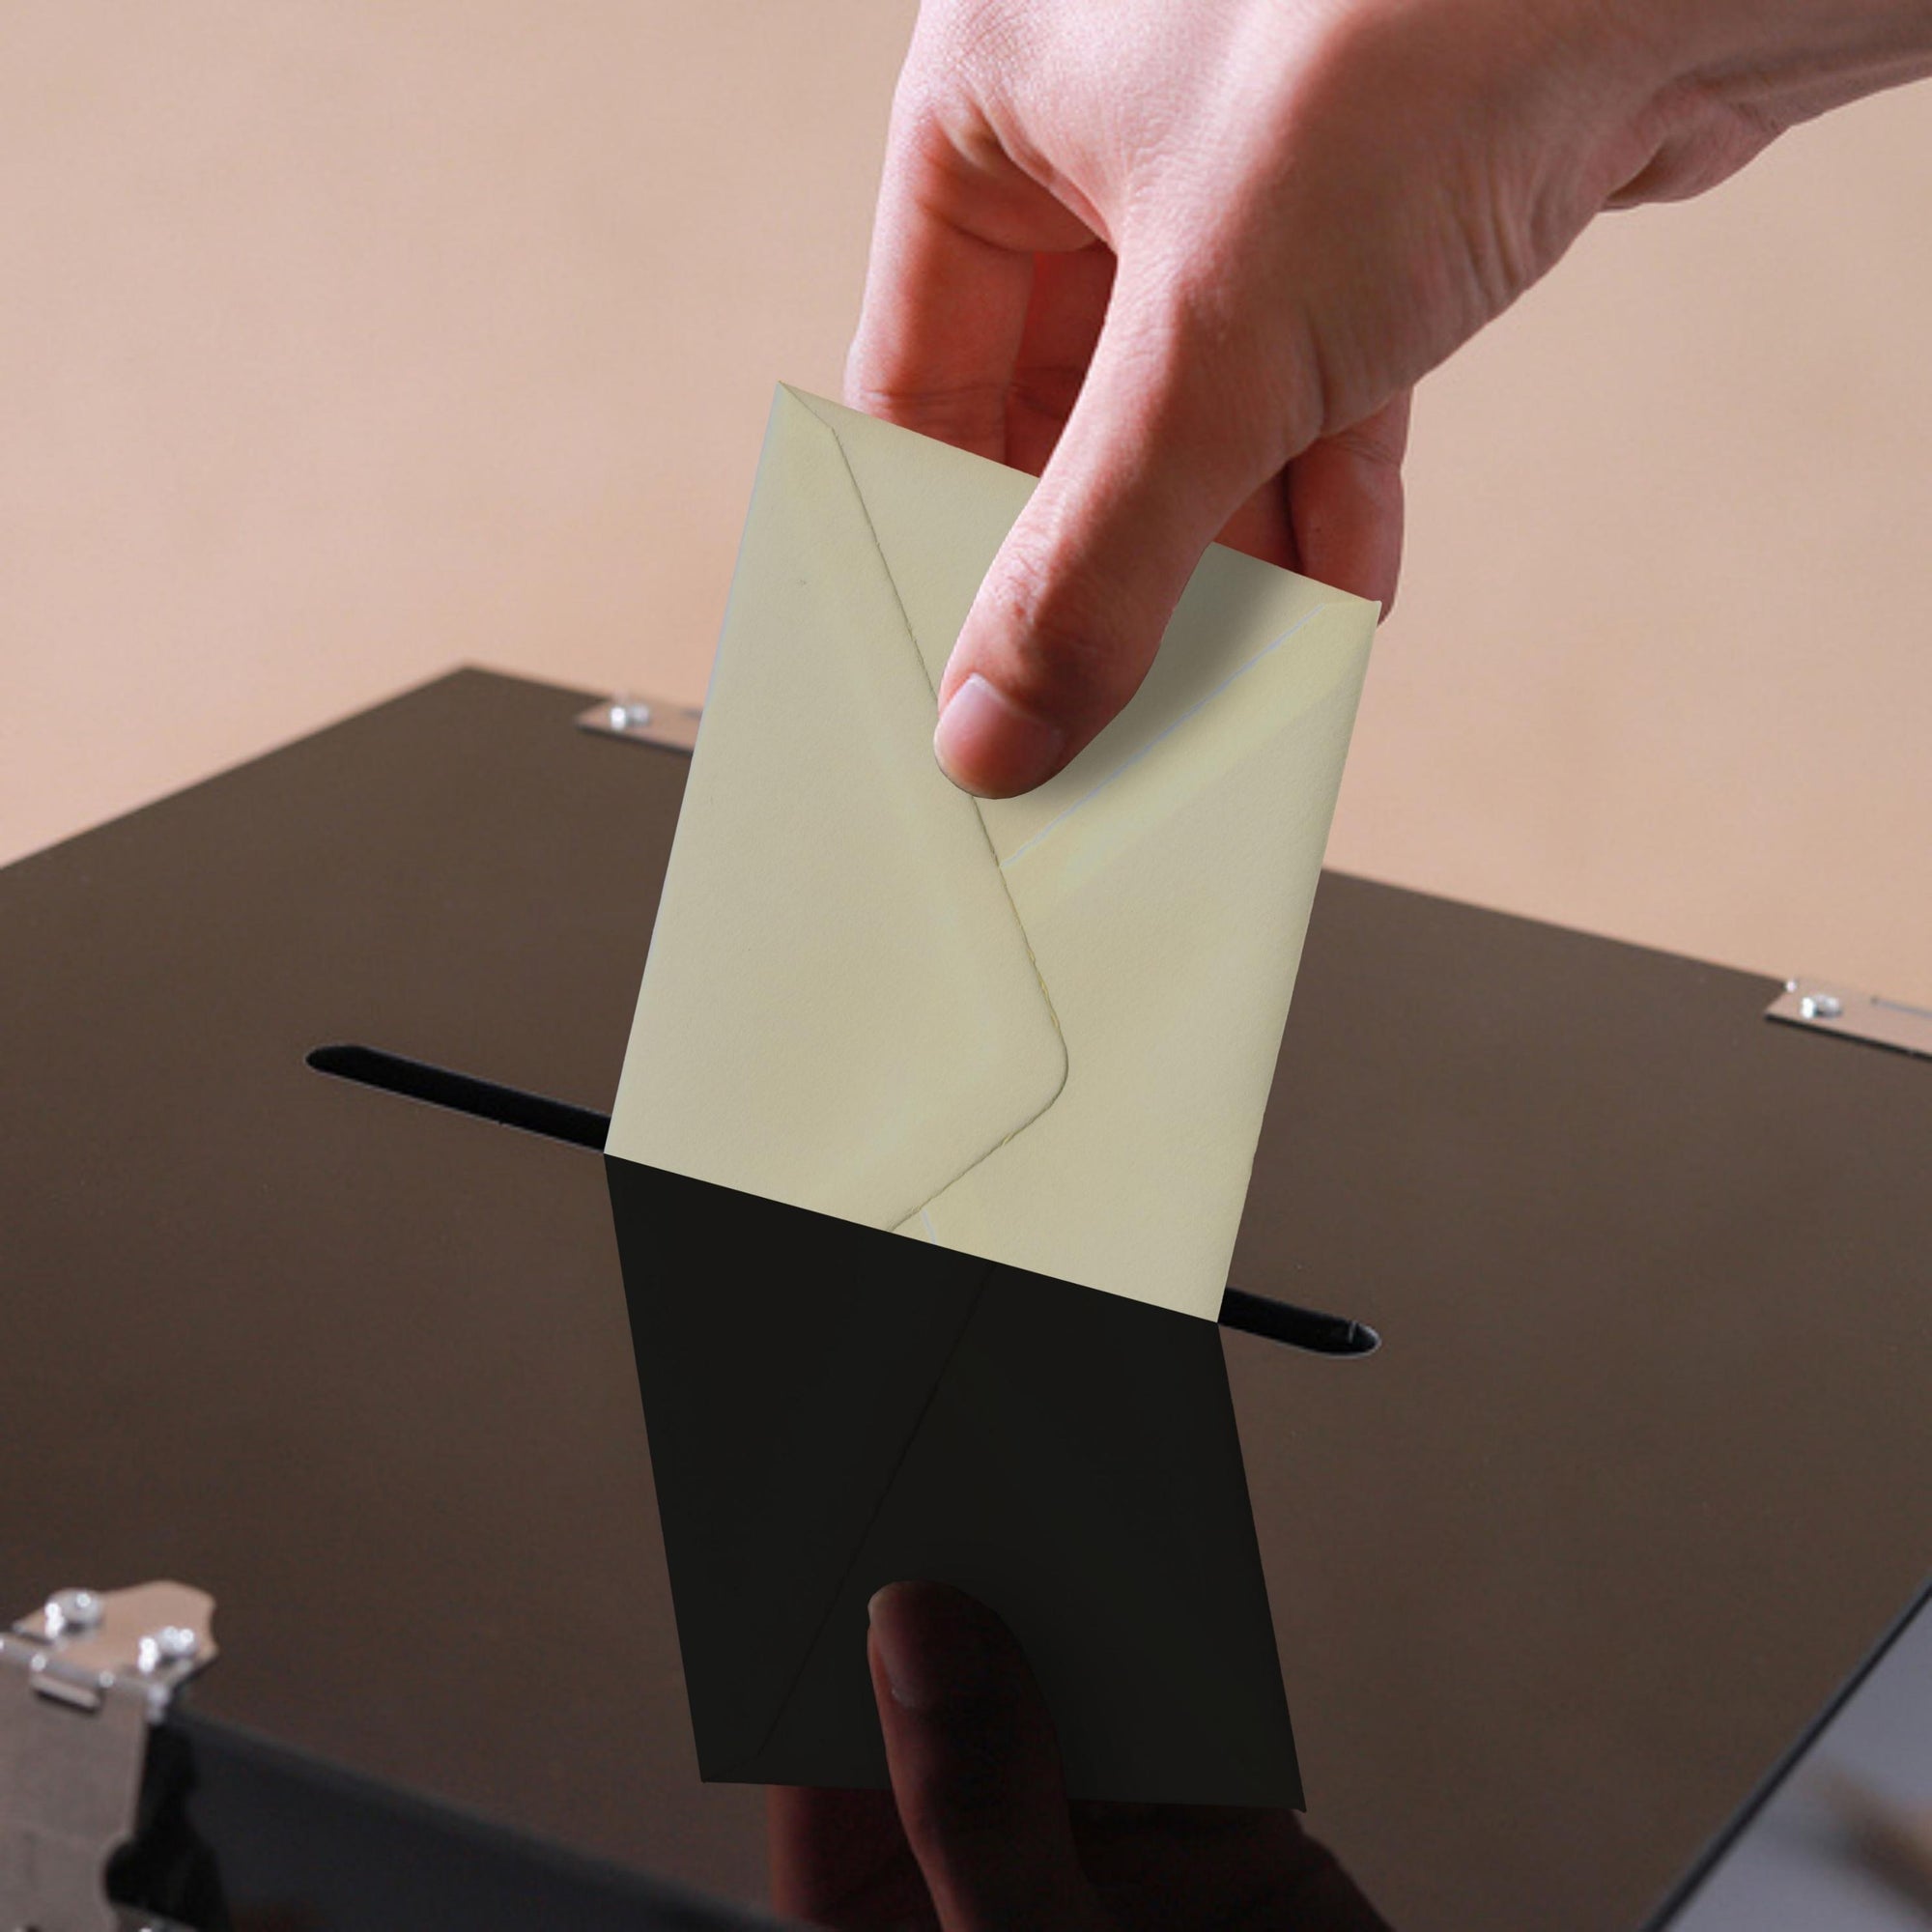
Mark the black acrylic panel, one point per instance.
(358, 1366)
(1644, 1464)
(1639, 1472)
(244, 1836)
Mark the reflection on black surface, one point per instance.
(832, 1408)
(976, 1833)
(1840, 1835)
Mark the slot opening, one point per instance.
(463, 1094)
(1309, 1330)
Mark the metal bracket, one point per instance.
(81, 1680)
(1831, 1007)
(649, 720)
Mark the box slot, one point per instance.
(1309, 1330)
(464, 1093)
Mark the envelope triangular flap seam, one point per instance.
(835, 943)
(1172, 976)
(1163, 881)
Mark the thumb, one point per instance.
(974, 1766)
(1153, 460)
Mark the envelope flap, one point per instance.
(840, 1008)
(1163, 880)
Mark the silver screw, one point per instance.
(72, 1612)
(626, 712)
(172, 1643)
(1821, 1006)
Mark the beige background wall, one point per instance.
(340, 343)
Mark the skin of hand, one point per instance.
(1185, 260)
(977, 1836)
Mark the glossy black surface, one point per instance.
(1836, 1834)
(1639, 1473)
(242, 1836)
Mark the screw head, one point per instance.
(1821, 1006)
(172, 1643)
(72, 1612)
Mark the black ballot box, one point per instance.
(312, 1304)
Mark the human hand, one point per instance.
(1184, 258)
(976, 1834)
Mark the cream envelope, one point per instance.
(1040, 1030)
